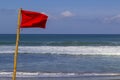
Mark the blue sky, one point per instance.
(65, 16)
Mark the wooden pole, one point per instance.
(17, 43)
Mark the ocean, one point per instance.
(61, 56)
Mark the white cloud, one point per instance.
(113, 19)
(67, 14)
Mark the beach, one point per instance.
(61, 57)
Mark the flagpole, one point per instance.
(17, 43)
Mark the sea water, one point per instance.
(61, 55)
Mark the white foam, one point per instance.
(70, 50)
(36, 74)
(44, 74)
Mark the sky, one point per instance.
(65, 16)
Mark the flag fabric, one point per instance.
(32, 19)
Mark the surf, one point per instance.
(67, 50)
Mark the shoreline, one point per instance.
(63, 78)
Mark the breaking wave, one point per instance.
(68, 50)
(44, 74)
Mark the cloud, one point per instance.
(113, 19)
(60, 15)
(67, 14)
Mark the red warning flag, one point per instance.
(32, 19)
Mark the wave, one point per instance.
(68, 50)
(63, 43)
(60, 74)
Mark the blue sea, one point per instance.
(61, 56)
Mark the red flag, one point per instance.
(32, 19)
